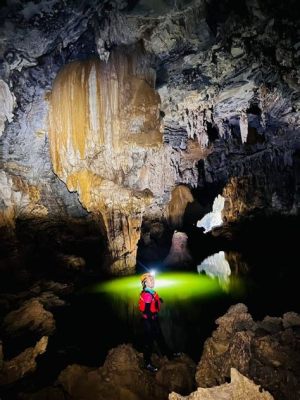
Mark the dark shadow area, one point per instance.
(48, 248)
(154, 245)
(260, 250)
(267, 244)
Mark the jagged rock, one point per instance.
(45, 292)
(265, 352)
(270, 324)
(14, 369)
(178, 375)
(291, 319)
(181, 89)
(122, 376)
(31, 316)
(239, 388)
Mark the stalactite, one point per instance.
(101, 115)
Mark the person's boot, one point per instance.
(174, 355)
(151, 368)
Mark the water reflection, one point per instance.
(176, 286)
(190, 299)
(216, 266)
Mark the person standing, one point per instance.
(149, 305)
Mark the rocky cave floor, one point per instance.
(43, 268)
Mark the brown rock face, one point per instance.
(14, 369)
(265, 351)
(122, 377)
(31, 316)
(242, 196)
(180, 198)
(179, 254)
(239, 388)
(105, 143)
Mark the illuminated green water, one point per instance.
(109, 312)
(173, 287)
(183, 294)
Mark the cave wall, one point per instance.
(197, 93)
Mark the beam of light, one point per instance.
(172, 287)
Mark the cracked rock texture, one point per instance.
(265, 351)
(107, 106)
(14, 369)
(29, 317)
(239, 388)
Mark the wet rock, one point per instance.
(30, 317)
(25, 363)
(263, 351)
(239, 388)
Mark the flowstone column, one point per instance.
(104, 130)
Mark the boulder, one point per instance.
(122, 376)
(265, 351)
(14, 369)
(30, 317)
(239, 388)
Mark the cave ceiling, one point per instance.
(107, 106)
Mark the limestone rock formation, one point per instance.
(108, 106)
(31, 316)
(122, 376)
(181, 196)
(264, 351)
(25, 363)
(239, 388)
(7, 105)
(105, 149)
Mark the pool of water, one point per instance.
(106, 314)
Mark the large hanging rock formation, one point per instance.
(105, 140)
(192, 92)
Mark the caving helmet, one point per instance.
(144, 277)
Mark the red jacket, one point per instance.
(146, 299)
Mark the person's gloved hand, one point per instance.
(161, 300)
